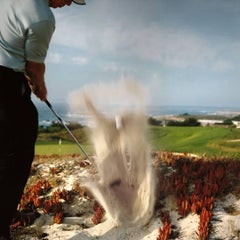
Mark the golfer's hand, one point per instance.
(35, 76)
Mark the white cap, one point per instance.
(80, 2)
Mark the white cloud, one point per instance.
(173, 48)
(222, 66)
(110, 67)
(147, 41)
(79, 60)
(54, 57)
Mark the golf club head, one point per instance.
(80, 2)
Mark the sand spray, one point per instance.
(124, 184)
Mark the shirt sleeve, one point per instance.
(37, 41)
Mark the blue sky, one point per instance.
(183, 52)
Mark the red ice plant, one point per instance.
(98, 213)
(166, 230)
(196, 183)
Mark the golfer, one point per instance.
(26, 27)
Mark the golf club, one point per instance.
(66, 127)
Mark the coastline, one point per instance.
(159, 112)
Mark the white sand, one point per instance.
(225, 225)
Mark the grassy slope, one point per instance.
(48, 143)
(200, 140)
(66, 147)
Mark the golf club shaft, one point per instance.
(68, 130)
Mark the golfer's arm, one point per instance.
(35, 71)
(35, 76)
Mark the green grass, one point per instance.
(48, 142)
(66, 147)
(211, 141)
(200, 140)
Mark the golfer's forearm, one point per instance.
(35, 76)
(35, 71)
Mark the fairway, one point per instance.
(63, 147)
(210, 141)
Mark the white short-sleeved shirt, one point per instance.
(26, 27)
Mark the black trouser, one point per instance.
(18, 132)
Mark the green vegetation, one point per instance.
(56, 140)
(57, 131)
(219, 141)
(65, 147)
(211, 141)
(154, 121)
(190, 121)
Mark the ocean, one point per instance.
(46, 117)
